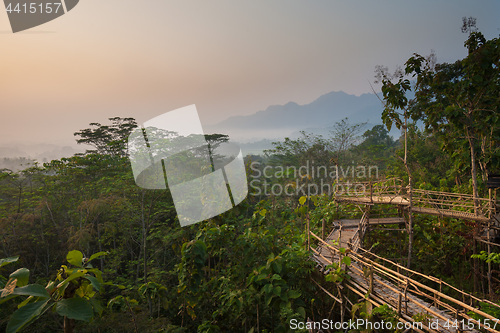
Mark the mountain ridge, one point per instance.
(278, 121)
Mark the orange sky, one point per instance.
(110, 58)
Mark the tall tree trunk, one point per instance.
(69, 325)
(20, 198)
(410, 225)
(144, 251)
(101, 259)
(410, 185)
(475, 195)
(144, 241)
(475, 192)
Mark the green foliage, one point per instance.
(246, 270)
(75, 308)
(21, 276)
(6, 261)
(26, 314)
(458, 102)
(363, 309)
(429, 167)
(75, 258)
(492, 257)
(487, 308)
(386, 314)
(71, 294)
(447, 101)
(315, 148)
(422, 317)
(338, 274)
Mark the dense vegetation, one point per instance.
(246, 270)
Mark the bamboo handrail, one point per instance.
(445, 201)
(391, 274)
(431, 278)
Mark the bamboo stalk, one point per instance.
(327, 292)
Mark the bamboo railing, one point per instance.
(406, 292)
(394, 191)
(357, 238)
(453, 202)
(388, 187)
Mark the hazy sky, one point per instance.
(110, 58)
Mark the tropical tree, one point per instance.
(108, 139)
(461, 101)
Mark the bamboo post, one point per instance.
(340, 233)
(371, 192)
(399, 304)
(440, 288)
(370, 291)
(410, 224)
(475, 264)
(458, 321)
(490, 286)
(342, 309)
(406, 297)
(323, 229)
(494, 203)
(490, 199)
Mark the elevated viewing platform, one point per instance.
(393, 191)
(409, 293)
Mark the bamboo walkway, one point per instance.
(399, 288)
(382, 281)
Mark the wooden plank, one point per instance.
(387, 220)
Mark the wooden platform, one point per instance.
(401, 201)
(395, 200)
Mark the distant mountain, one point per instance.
(278, 121)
